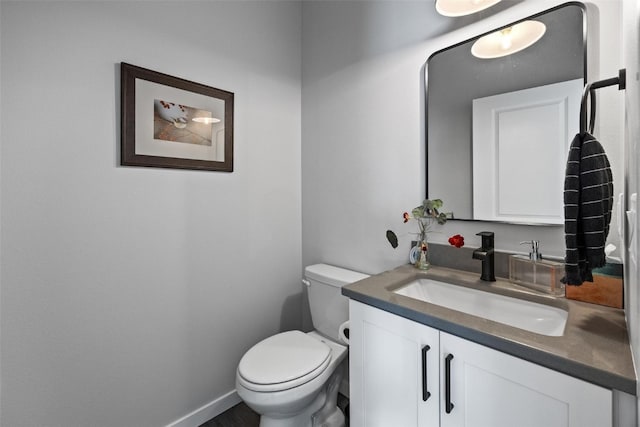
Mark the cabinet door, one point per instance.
(491, 388)
(393, 370)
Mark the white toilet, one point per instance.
(292, 378)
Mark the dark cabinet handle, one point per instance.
(425, 393)
(448, 406)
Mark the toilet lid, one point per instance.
(283, 361)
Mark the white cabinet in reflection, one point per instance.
(520, 145)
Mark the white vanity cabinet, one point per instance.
(393, 370)
(470, 385)
(491, 388)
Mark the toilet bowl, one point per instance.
(292, 378)
(292, 400)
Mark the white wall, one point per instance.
(0, 216)
(631, 44)
(363, 125)
(129, 294)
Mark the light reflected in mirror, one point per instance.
(508, 40)
(455, 78)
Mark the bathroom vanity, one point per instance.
(423, 359)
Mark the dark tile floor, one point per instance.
(243, 416)
(238, 416)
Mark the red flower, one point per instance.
(457, 241)
(406, 217)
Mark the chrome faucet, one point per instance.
(486, 255)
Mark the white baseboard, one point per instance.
(208, 411)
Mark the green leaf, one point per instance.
(433, 204)
(442, 218)
(392, 238)
(418, 212)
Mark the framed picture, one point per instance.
(168, 122)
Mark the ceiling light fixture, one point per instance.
(508, 40)
(455, 8)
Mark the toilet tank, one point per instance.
(329, 308)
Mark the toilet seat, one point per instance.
(283, 361)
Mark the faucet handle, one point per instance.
(487, 239)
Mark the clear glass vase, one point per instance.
(422, 261)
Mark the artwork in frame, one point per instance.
(169, 122)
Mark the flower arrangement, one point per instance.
(426, 215)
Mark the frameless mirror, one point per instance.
(498, 129)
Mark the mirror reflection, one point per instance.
(498, 129)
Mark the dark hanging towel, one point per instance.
(588, 199)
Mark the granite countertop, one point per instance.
(595, 345)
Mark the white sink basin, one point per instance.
(527, 315)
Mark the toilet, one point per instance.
(292, 378)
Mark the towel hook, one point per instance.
(590, 92)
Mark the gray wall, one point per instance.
(130, 294)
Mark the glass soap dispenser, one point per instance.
(536, 273)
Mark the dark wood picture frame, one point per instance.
(132, 150)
